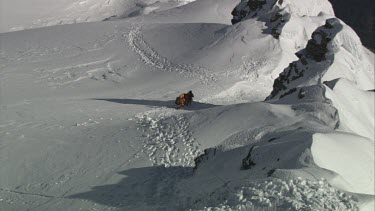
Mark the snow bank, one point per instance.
(355, 107)
(351, 60)
(350, 156)
(354, 147)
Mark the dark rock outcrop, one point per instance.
(312, 63)
(208, 154)
(248, 9)
(274, 17)
(248, 162)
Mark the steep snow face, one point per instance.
(355, 107)
(336, 151)
(354, 140)
(307, 8)
(258, 8)
(292, 22)
(19, 15)
(283, 14)
(351, 60)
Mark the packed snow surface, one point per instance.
(282, 119)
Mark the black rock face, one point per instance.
(208, 153)
(263, 10)
(248, 162)
(315, 52)
(247, 9)
(317, 49)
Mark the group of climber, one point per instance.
(185, 99)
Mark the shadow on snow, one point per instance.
(148, 188)
(158, 103)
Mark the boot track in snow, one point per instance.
(152, 58)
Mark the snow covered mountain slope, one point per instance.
(19, 15)
(88, 120)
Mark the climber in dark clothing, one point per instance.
(185, 99)
(189, 98)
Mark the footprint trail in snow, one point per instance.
(168, 141)
(152, 58)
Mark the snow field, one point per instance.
(154, 60)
